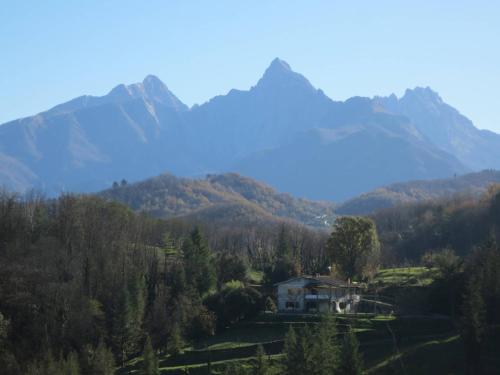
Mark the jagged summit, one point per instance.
(151, 89)
(152, 80)
(279, 74)
(279, 65)
(282, 131)
(154, 89)
(423, 93)
(152, 86)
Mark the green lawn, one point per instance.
(433, 356)
(374, 332)
(405, 276)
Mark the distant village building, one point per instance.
(317, 294)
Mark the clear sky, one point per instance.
(52, 51)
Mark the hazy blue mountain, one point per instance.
(282, 131)
(446, 127)
(242, 122)
(15, 175)
(88, 142)
(338, 163)
(471, 184)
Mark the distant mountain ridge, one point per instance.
(225, 197)
(446, 127)
(282, 131)
(472, 184)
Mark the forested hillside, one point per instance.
(84, 282)
(468, 185)
(87, 286)
(408, 231)
(225, 198)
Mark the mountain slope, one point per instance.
(338, 163)
(446, 127)
(88, 142)
(282, 131)
(218, 197)
(240, 123)
(417, 191)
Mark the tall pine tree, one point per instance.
(325, 347)
(260, 365)
(351, 362)
(121, 325)
(473, 316)
(198, 262)
(298, 358)
(103, 362)
(150, 361)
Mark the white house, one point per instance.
(317, 294)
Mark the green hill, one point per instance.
(472, 184)
(219, 198)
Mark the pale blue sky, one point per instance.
(52, 51)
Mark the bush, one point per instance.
(233, 304)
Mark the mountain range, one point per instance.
(282, 131)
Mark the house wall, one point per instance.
(291, 296)
(292, 291)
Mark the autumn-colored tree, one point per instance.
(354, 247)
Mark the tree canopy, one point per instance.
(354, 247)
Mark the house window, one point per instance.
(312, 305)
(291, 305)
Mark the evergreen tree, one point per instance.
(298, 357)
(283, 250)
(175, 342)
(260, 365)
(325, 347)
(473, 325)
(121, 329)
(351, 362)
(158, 320)
(102, 362)
(137, 293)
(51, 365)
(198, 262)
(71, 365)
(150, 361)
(289, 350)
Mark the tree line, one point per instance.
(86, 284)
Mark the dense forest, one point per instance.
(411, 192)
(87, 285)
(85, 282)
(224, 198)
(459, 223)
